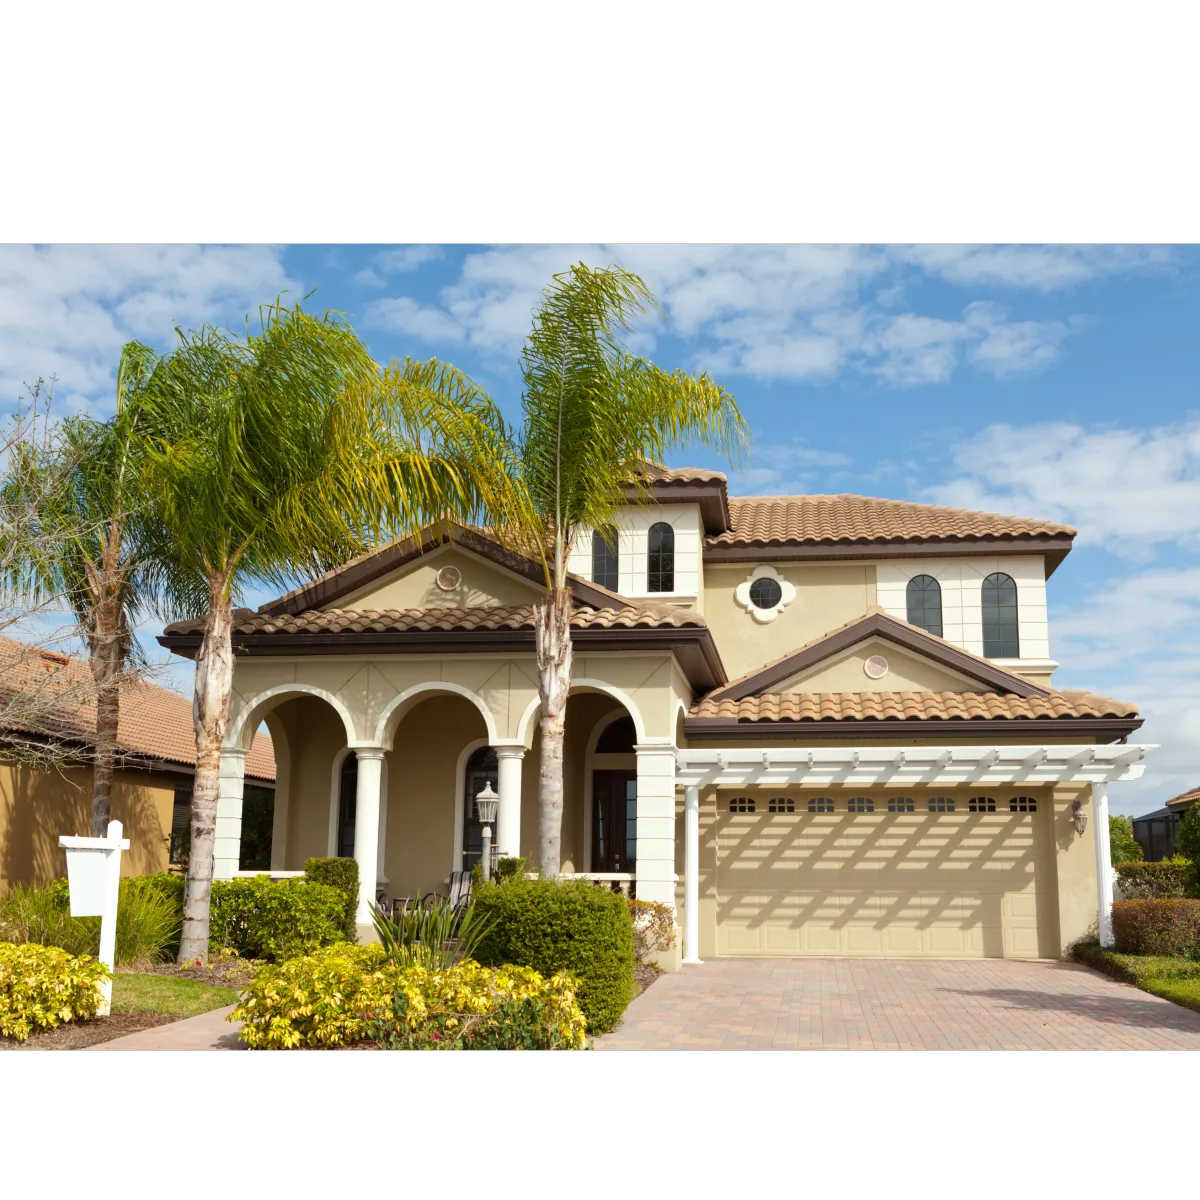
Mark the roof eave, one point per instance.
(1110, 729)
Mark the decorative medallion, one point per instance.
(764, 594)
(449, 578)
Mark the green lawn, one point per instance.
(1176, 979)
(162, 993)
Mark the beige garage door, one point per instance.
(860, 880)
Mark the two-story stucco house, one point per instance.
(815, 724)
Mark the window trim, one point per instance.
(1001, 640)
(923, 593)
(663, 551)
(608, 553)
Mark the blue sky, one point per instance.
(1046, 381)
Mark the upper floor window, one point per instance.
(660, 558)
(999, 598)
(606, 560)
(925, 604)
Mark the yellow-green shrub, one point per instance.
(350, 993)
(42, 987)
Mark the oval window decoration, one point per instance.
(764, 594)
(876, 667)
(448, 578)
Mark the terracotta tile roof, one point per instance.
(910, 706)
(154, 720)
(488, 617)
(810, 520)
(1185, 799)
(669, 475)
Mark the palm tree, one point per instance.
(594, 417)
(101, 558)
(276, 456)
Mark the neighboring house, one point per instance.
(152, 787)
(1156, 832)
(814, 724)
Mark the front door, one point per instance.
(614, 821)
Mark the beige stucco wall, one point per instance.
(414, 586)
(906, 672)
(1075, 864)
(827, 595)
(37, 806)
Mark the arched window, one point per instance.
(999, 599)
(347, 802)
(925, 604)
(606, 560)
(660, 559)
(483, 767)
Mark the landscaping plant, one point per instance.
(1187, 840)
(1121, 845)
(341, 873)
(42, 987)
(274, 920)
(1159, 926)
(554, 926)
(653, 929)
(1170, 878)
(435, 936)
(350, 993)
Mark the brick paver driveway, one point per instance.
(898, 1004)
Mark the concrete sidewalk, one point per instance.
(208, 1031)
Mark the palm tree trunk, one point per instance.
(210, 714)
(106, 672)
(552, 627)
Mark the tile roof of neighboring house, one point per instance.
(154, 721)
(910, 706)
(483, 617)
(1185, 799)
(807, 520)
(877, 622)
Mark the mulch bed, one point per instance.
(78, 1034)
(648, 974)
(231, 972)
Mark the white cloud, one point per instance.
(787, 469)
(1125, 489)
(796, 312)
(401, 314)
(367, 278)
(67, 310)
(406, 258)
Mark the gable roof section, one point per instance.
(709, 490)
(848, 526)
(391, 556)
(154, 724)
(1184, 800)
(877, 623)
(482, 629)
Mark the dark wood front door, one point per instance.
(614, 821)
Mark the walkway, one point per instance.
(898, 1004)
(208, 1031)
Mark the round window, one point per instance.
(765, 593)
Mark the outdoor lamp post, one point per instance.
(487, 805)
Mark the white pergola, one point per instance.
(886, 766)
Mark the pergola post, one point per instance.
(1104, 872)
(691, 874)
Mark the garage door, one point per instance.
(933, 876)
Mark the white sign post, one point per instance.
(94, 881)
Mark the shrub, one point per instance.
(341, 873)
(1122, 848)
(653, 928)
(42, 987)
(1171, 878)
(573, 926)
(147, 923)
(275, 920)
(1187, 840)
(435, 936)
(511, 868)
(1157, 926)
(1134, 968)
(347, 993)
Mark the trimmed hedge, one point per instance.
(571, 926)
(274, 920)
(341, 873)
(1172, 878)
(350, 993)
(1157, 926)
(42, 987)
(1137, 969)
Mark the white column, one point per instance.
(508, 823)
(1104, 874)
(656, 822)
(381, 879)
(227, 847)
(366, 827)
(691, 874)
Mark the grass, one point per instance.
(1175, 979)
(163, 994)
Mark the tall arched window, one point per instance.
(606, 561)
(483, 767)
(660, 558)
(347, 803)
(925, 604)
(999, 599)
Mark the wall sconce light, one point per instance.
(1080, 817)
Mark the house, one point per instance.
(813, 724)
(1156, 832)
(152, 784)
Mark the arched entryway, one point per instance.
(614, 798)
